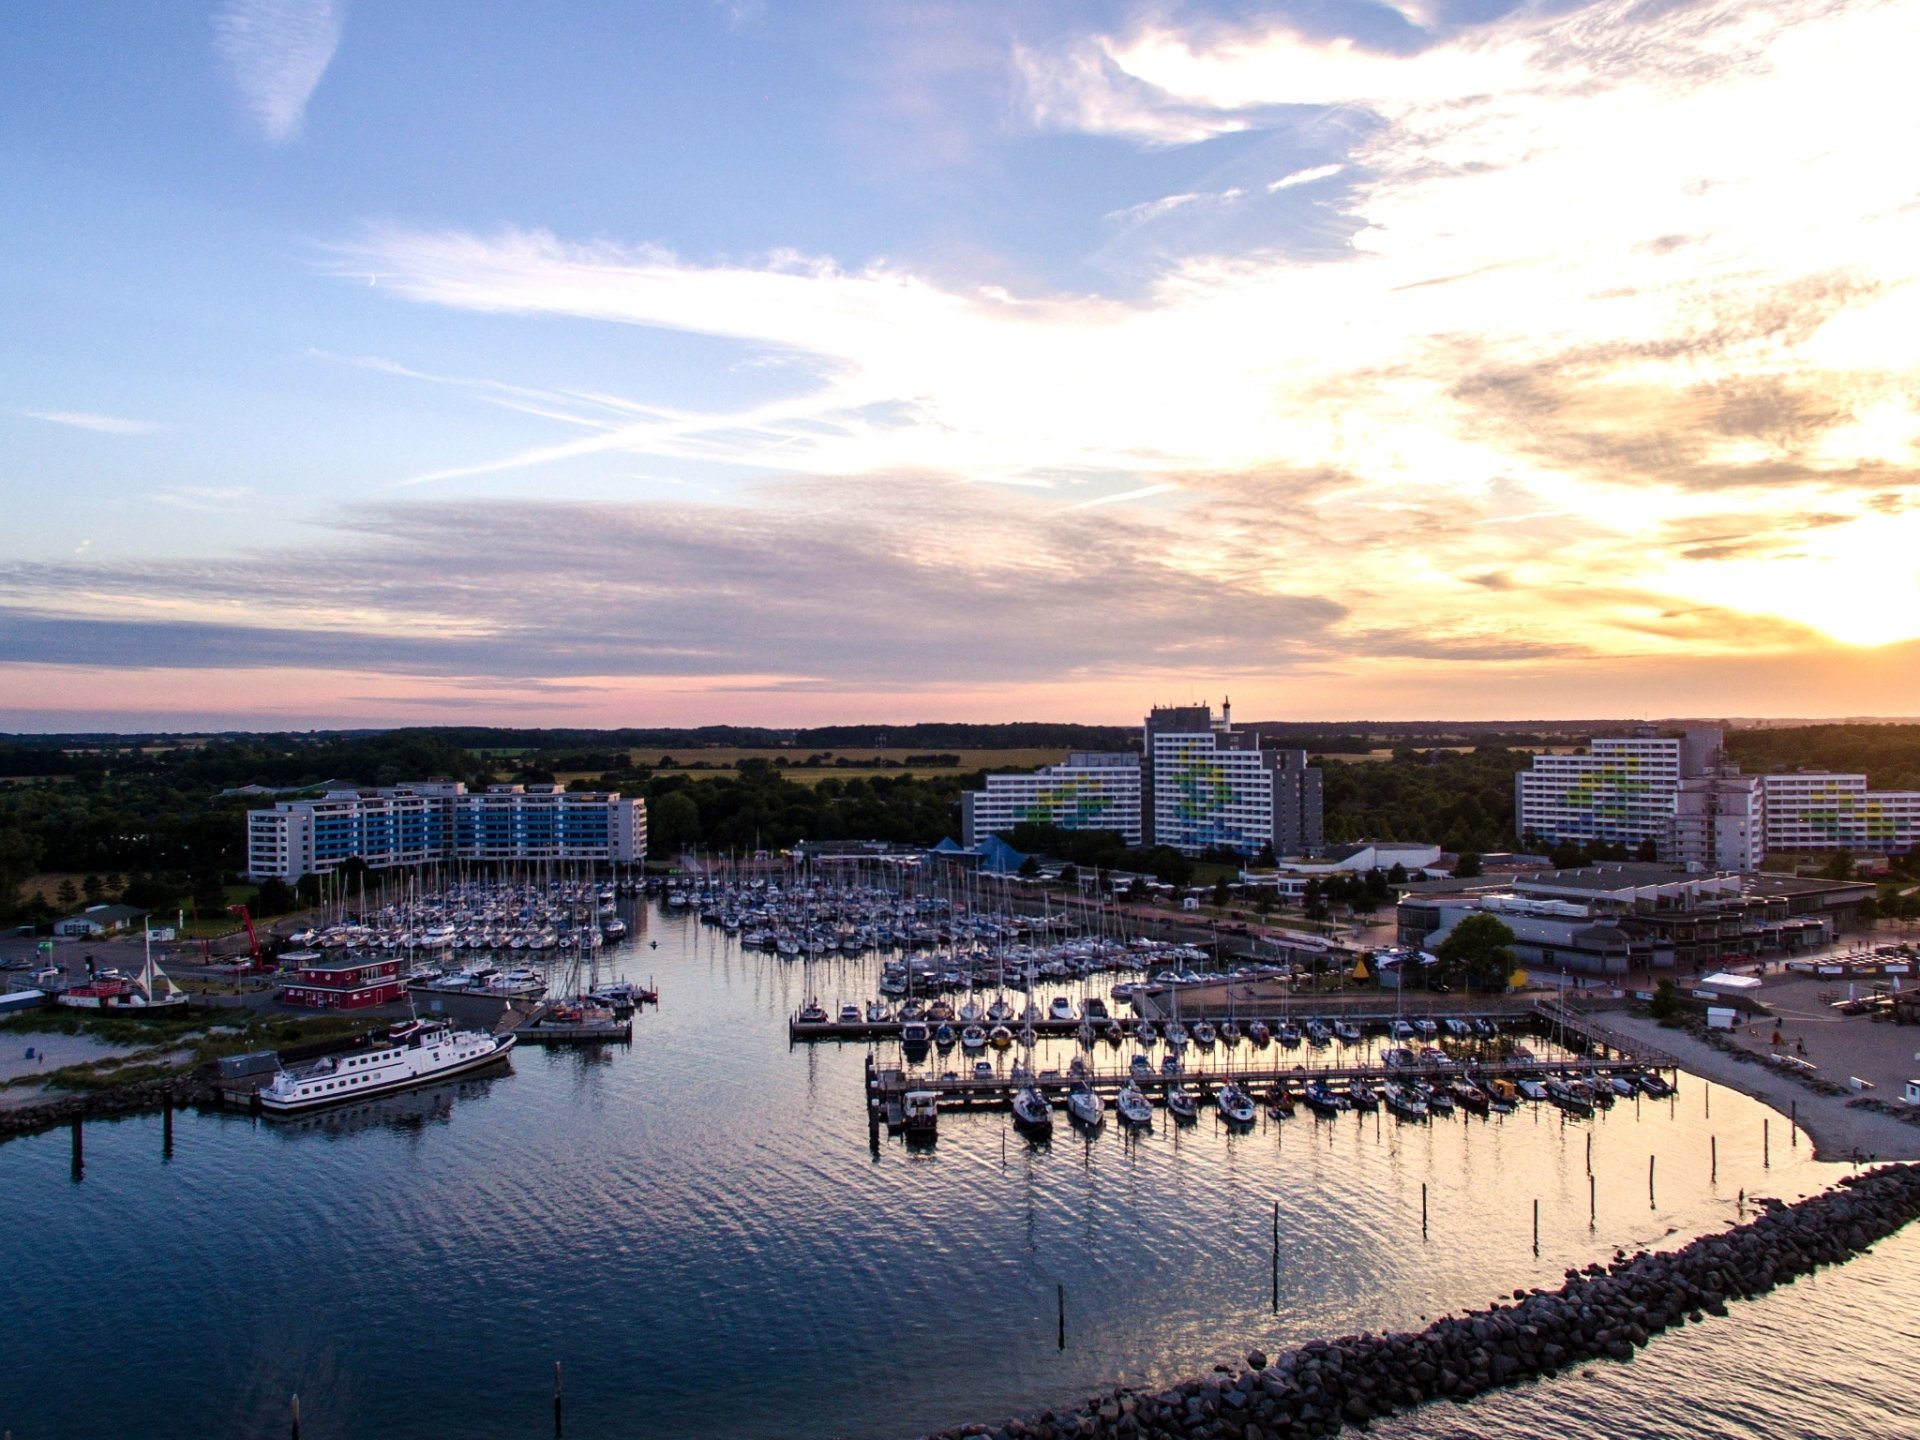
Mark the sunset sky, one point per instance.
(602, 364)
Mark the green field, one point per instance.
(723, 762)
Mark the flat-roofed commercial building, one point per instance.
(1088, 791)
(430, 821)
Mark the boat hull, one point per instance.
(272, 1106)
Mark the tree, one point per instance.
(1314, 902)
(1839, 866)
(67, 895)
(1566, 856)
(1468, 867)
(1266, 859)
(1648, 851)
(1666, 1007)
(1397, 875)
(19, 858)
(1222, 895)
(209, 895)
(1069, 874)
(275, 897)
(673, 823)
(93, 887)
(1476, 952)
(1030, 867)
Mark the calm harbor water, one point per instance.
(697, 1227)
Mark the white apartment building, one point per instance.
(1206, 784)
(1819, 810)
(1620, 793)
(428, 821)
(1197, 783)
(1089, 791)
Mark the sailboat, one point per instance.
(1135, 1110)
(152, 989)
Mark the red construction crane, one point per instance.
(253, 940)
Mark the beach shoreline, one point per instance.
(1840, 1132)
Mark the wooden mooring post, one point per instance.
(1650, 1200)
(1536, 1227)
(558, 1402)
(1060, 1299)
(1276, 1257)
(79, 1150)
(296, 1417)
(1423, 1209)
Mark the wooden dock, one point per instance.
(1206, 1070)
(538, 1031)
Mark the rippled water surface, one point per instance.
(698, 1228)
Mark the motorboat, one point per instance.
(915, 1035)
(1531, 1090)
(1655, 1085)
(983, 1070)
(849, 1014)
(1085, 1105)
(1279, 1102)
(1348, 1032)
(1288, 1035)
(1363, 1096)
(412, 1053)
(1141, 1068)
(920, 1114)
(813, 1013)
(1133, 1107)
(1235, 1104)
(1061, 1009)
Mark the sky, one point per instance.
(601, 364)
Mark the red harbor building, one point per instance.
(342, 983)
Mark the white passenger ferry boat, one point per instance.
(414, 1053)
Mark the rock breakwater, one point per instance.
(131, 1099)
(1601, 1312)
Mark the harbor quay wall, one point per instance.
(1602, 1312)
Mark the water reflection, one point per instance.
(709, 1202)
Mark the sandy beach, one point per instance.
(1837, 1129)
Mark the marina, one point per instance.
(712, 1128)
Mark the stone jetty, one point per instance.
(136, 1098)
(1602, 1312)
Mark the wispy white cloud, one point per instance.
(1611, 269)
(276, 52)
(82, 420)
(1304, 177)
(1148, 211)
(203, 498)
(1139, 494)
